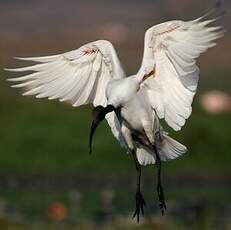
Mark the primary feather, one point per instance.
(173, 47)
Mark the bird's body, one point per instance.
(163, 88)
(132, 112)
(140, 126)
(135, 120)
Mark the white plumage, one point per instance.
(163, 88)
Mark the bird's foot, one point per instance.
(161, 198)
(140, 203)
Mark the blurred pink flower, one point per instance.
(216, 102)
(57, 211)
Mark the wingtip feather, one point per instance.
(39, 59)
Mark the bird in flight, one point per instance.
(162, 89)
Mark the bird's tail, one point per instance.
(168, 148)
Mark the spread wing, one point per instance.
(172, 48)
(78, 77)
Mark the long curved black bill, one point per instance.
(98, 114)
(94, 125)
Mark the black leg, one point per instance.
(160, 190)
(140, 203)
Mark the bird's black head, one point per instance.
(98, 114)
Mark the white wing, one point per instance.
(172, 48)
(79, 76)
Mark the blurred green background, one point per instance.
(47, 178)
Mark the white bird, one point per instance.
(163, 88)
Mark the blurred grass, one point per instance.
(184, 212)
(90, 227)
